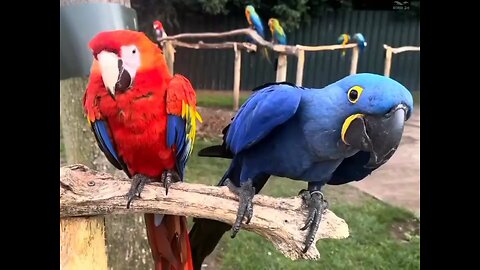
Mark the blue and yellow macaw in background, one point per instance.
(343, 39)
(360, 40)
(278, 35)
(256, 24)
(334, 135)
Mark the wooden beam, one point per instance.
(353, 65)
(236, 78)
(282, 68)
(388, 61)
(300, 66)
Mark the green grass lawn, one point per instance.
(373, 241)
(219, 99)
(224, 99)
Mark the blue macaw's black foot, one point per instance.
(138, 183)
(168, 178)
(316, 204)
(245, 194)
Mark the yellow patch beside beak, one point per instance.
(347, 123)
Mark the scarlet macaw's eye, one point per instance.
(354, 93)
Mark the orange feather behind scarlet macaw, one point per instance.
(144, 120)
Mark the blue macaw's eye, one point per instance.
(354, 93)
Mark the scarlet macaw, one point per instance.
(144, 121)
(159, 31)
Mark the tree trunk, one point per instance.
(126, 240)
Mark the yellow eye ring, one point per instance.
(354, 93)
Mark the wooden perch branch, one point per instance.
(326, 47)
(389, 51)
(84, 192)
(225, 45)
(401, 49)
(283, 49)
(237, 32)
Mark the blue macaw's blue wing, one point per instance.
(106, 144)
(282, 39)
(257, 23)
(266, 109)
(177, 136)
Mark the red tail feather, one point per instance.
(169, 242)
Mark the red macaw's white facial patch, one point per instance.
(118, 71)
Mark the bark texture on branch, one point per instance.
(224, 45)
(84, 192)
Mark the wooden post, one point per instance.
(236, 78)
(82, 239)
(282, 68)
(388, 61)
(300, 64)
(82, 243)
(169, 52)
(353, 67)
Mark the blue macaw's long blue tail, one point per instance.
(205, 233)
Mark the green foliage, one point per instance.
(214, 6)
(291, 13)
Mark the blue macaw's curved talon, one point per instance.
(317, 205)
(245, 194)
(138, 183)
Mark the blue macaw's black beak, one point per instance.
(379, 135)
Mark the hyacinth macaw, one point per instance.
(343, 39)
(278, 35)
(256, 24)
(144, 120)
(334, 135)
(360, 40)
